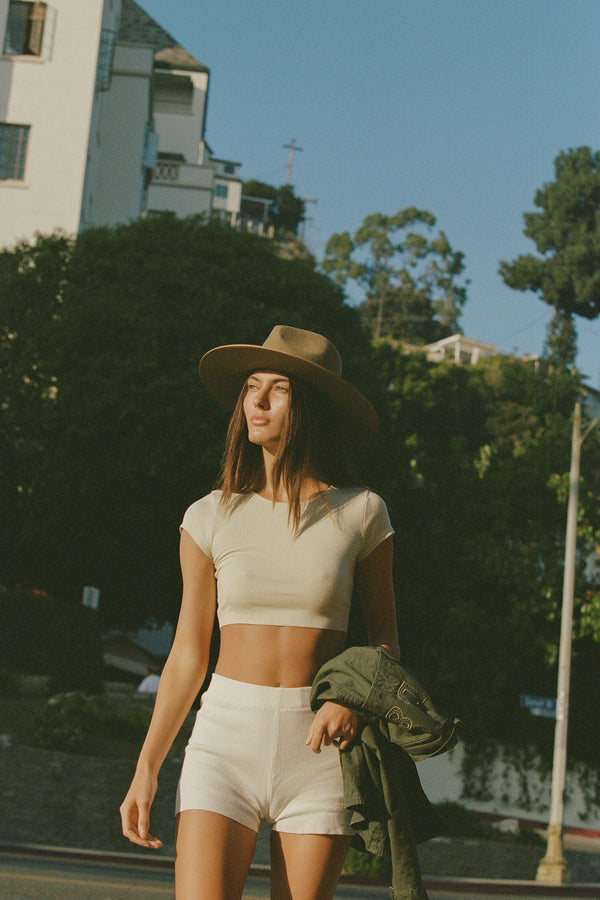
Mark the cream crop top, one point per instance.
(269, 575)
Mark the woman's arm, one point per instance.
(182, 678)
(334, 723)
(375, 585)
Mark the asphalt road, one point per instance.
(46, 877)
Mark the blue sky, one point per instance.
(458, 107)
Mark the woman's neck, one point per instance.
(310, 486)
(267, 490)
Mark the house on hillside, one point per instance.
(459, 349)
(102, 120)
(463, 350)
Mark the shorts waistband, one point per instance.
(243, 693)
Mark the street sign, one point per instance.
(539, 706)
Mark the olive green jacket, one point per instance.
(390, 813)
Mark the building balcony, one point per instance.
(183, 188)
(181, 174)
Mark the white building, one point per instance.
(186, 179)
(102, 118)
(459, 349)
(49, 100)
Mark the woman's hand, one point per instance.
(135, 811)
(333, 724)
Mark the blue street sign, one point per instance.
(539, 706)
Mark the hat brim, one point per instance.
(224, 370)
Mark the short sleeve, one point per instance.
(199, 522)
(376, 524)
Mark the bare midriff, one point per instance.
(276, 655)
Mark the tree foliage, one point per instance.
(285, 212)
(566, 232)
(32, 284)
(409, 277)
(477, 460)
(107, 434)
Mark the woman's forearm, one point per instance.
(180, 683)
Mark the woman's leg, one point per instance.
(213, 856)
(306, 866)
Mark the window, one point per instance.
(221, 190)
(229, 169)
(106, 56)
(13, 149)
(24, 28)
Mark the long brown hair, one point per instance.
(312, 447)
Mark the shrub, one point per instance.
(10, 685)
(362, 863)
(74, 722)
(464, 823)
(461, 822)
(66, 721)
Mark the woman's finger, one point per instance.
(316, 735)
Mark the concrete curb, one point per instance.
(147, 859)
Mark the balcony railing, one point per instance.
(182, 174)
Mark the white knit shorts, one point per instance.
(246, 759)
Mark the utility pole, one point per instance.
(306, 219)
(553, 869)
(292, 147)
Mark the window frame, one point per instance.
(12, 165)
(34, 22)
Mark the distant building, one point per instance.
(186, 179)
(102, 119)
(459, 349)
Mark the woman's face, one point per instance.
(266, 407)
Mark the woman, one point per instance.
(275, 554)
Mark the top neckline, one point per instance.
(302, 502)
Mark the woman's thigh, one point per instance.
(306, 866)
(212, 857)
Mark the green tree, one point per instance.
(409, 278)
(477, 457)
(566, 232)
(32, 283)
(119, 437)
(128, 437)
(285, 211)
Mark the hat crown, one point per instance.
(307, 345)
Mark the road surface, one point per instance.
(46, 876)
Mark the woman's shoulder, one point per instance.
(363, 507)
(356, 494)
(199, 520)
(208, 503)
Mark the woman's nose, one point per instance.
(262, 398)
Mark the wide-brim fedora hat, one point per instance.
(301, 354)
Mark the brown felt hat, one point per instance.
(305, 355)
